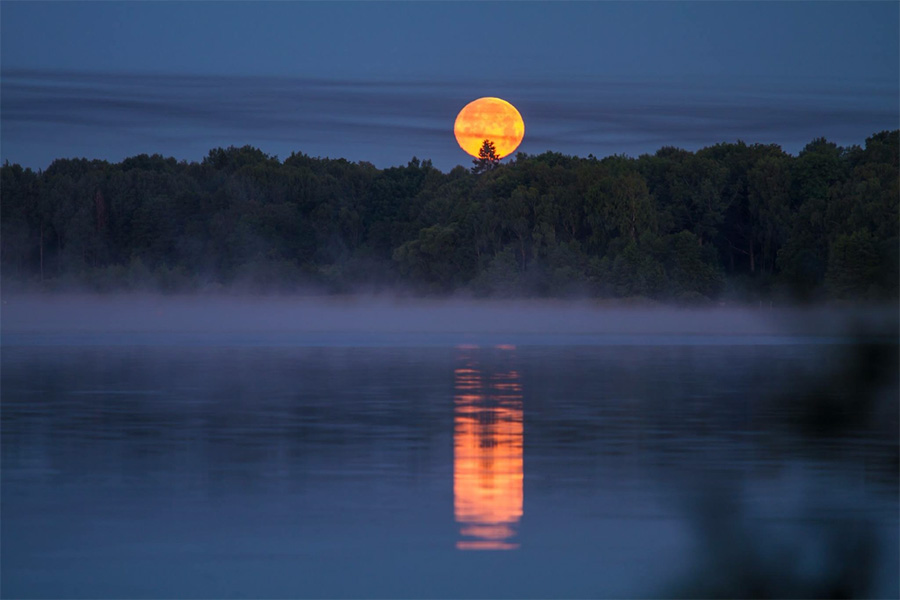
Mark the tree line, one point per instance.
(733, 221)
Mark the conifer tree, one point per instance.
(487, 158)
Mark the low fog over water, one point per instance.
(459, 319)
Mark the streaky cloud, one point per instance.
(49, 114)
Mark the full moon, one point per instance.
(489, 119)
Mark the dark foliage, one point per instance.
(731, 221)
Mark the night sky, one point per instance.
(383, 82)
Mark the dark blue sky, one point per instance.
(383, 81)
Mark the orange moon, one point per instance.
(489, 119)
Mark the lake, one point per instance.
(362, 458)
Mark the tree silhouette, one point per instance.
(487, 158)
(675, 225)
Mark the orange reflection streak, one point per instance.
(487, 458)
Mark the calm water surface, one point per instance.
(499, 468)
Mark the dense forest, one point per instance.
(732, 222)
